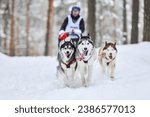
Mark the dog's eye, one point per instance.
(82, 43)
(88, 43)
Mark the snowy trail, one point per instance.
(35, 77)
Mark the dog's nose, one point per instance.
(85, 48)
(110, 54)
(67, 52)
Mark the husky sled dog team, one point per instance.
(76, 53)
(75, 59)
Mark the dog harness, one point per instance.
(71, 62)
(109, 61)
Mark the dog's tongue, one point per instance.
(67, 55)
(85, 53)
(110, 57)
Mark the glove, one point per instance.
(63, 36)
(61, 32)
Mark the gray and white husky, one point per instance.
(107, 59)
(67, 61)
(85, 55)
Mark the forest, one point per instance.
(30, 27)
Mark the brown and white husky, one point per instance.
(107, 59)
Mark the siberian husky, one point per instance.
(107, 59)
(67, 61)
(85, 55)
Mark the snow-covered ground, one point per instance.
(35, 77)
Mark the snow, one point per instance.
(35, 77)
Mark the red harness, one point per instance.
(81, 57)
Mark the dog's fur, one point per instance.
(67, 61)
(107, 59)
(85, 56)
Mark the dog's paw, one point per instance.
(112, 78)
(86, 84)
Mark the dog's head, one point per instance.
(110, 50)
(67, 50)
(85, 45)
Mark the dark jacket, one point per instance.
(64, 25)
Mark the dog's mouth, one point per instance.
(85, 52)
(110, 57)
(68, 55)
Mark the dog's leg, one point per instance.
(108, 70)
(102, 62)
(82, 77)
(102, 66)
(112, 72)
(58, 71)
(103, 69)
(82, 73)
(88, 75)
(66, 79)
(70, 76)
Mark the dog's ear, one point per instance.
(115, 43)
(89, 36)
(105, 42)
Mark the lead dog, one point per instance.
(85, 55)
(67, 61)
(107, 59)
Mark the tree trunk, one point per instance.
(12, 30)
(27, 26)
(125, 37)
(135, 20)
(146, 32)
(48, 42)
(114, 22)
(5, 26)
(92, 19)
